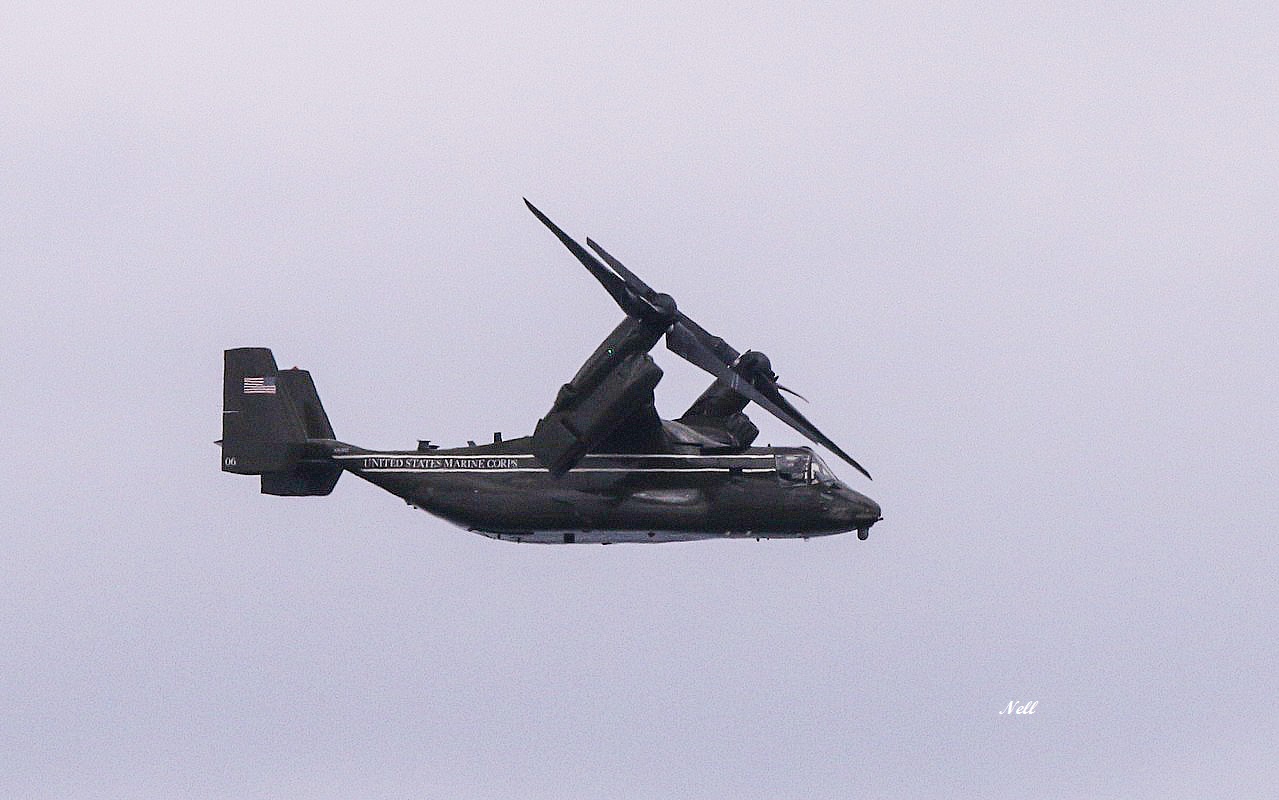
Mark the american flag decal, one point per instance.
(259, 385)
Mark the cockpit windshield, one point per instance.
(820, 472)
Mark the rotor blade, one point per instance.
(630, 277)
(687, 343)
(612, 284)
(718, 347)
(793, 416)
(792, 392)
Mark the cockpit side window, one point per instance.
(792, 467)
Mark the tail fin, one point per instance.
(273, 425)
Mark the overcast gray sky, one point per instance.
(1020, 258)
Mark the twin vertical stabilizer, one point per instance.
(273, 425)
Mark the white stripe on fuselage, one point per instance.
(575, 469)
(416, 462)
(587, 457)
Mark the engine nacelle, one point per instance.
(583, 421)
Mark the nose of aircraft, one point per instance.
(859, 511)
(864, 507)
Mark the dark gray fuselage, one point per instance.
(500, 490)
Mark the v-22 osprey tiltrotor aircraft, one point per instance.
(601, 466)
